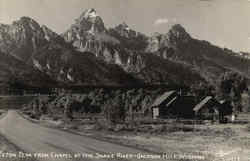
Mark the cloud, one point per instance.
(161, 21)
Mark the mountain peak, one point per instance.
(28, 24)
(178, 27)
(123, 27)
(178, 33)
(90, 13)
(25, 18)
(90, 21)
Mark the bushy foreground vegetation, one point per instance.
(117, 105)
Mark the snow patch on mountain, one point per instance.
(37, 65)
(91, 13)
(69, 77)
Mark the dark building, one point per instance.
(162, 103)
(173, 105)
(208, 108)
(183, 106)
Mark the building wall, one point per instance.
(182, 107)
(208, 112)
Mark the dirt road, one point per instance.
(53, 144)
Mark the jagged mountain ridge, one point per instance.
(128, 50)
(22, 38)
(89, 33)
(90, 54)
(39, 48)
(176, 46)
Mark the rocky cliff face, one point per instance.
(129, 38)
(177, 35)
(120, 45)
(44, 51)
(88, 33)
(22, 38)
(79, 68)
(51, 36)
(209, 60)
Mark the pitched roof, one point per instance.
(202, 103)
(162, 98)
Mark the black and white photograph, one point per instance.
(124, 80)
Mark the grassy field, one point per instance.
(226, 142)
(215, 142)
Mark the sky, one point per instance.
(225, 23)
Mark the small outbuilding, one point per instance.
(161, 105)
(208, 108)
